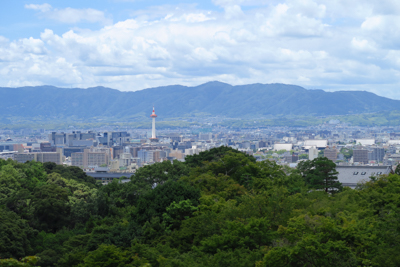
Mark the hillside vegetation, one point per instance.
(213, 98)
(219, 208)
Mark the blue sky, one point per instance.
(135, 44)
(16, 21)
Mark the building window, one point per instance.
(355, 173)
(363, 173)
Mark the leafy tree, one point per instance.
(35, 175)
(112, 256)
(212, 155)
(9, 182)
(71, 172)
(320, 173)
(156, 174)
(225, 210)
(303, 156)
(29, 261)
(238, 166)
(397, 170)
(155, 203)
(220, 185)
(51, 210)
(14, 235)
(48, 258)
(313, 241)
(74, 251)
(281, 152)
(251, 234)
(347, 153)
(177, 212)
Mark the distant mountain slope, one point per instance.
(214, 98)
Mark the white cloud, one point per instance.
(225, 3)
(3, 39)
(313, 43)
(70, 15)
(43, 8)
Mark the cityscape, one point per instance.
(107, 155)
(213, 133)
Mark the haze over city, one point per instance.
(132, 45)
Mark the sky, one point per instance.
(135, 44)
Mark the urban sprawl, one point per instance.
(107, 154)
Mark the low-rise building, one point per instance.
(360, 156)
(330, 153)
(89, 159)
(352, 175)
(56, 157)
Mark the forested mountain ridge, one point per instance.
(214, 98)
(218, 208)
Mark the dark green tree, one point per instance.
(397, 170)
(51, 210)
(71, 172)
(320, 173)
(14, 236)
(112, 256)
(155, 203)
(211, 155)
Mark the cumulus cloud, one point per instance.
(70, 15)
(336, 45)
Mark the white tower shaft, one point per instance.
(153, 129)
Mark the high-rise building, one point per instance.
(312, 153)
(119, 138)
(146, 155)
(377, 154)
(58, 138)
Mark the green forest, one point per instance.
(218, 208)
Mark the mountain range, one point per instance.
(212, 98)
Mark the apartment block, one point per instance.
(360, 156)
(330, 153)
(89, 158)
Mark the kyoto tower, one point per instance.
(153, 129)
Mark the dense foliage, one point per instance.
(220, 208)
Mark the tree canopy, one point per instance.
(219, 208)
